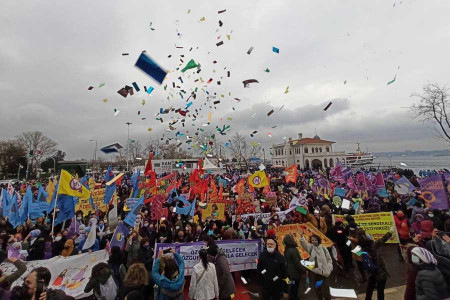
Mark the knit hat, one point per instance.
(35, 233)
(424, 255)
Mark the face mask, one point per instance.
(179, 218)
(198, 230)
(58, 238)
(275, 218)
(210, 232)
(431, 215)
(79, 218)
(415, 259)
(145, 224)
(108, 231)
(105, 221)
(270, 250)
(400, 215)
(146, 246)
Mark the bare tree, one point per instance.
(242, 150)
(432, 106)
(135, 150)
(40, 145)
(12, 157)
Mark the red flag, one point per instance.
(220, 196)
(267, 187)
(291, 173)
(239, 188)
(213, 193)
(148, 167)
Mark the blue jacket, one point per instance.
(165, 283)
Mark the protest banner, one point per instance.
(247, 197)
(130, 203)
(259, 216)
(70, 274)
(300, 230)
(270, 198)
(375, 224)
(85, 206)
(433, 192)
(241, 254)
(214, 210)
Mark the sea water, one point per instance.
(415, 163)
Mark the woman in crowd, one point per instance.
(204, 284)
(323, 266)
(379, 274)
(220, 261)
(102, 283)
(170, 282)
(116, 264)
(430, 284)
(294, 267)
(132, 248)
(136, 279)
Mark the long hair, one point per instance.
(116, 257)
(212, 248)
(170, 268)
(136, 276)
(204, 257)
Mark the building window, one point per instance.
(282, 163)
(306, 149)
(320, 149)
(327, 149)
(317, 150)
(290, 151)
(325, 163)
(312, 149)
(331, 163)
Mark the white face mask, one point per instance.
(79, 218)
(270, 250)
(415, 259)
(58, 238)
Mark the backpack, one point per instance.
(368, 264)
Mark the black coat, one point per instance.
(275, 266)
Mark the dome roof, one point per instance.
(316, 137)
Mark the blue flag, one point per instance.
(119, 236)
(109, 190)
(66, 205)
(135, 179)
(193, 207)
(14, 212)
(85, 181)
(52, 203)
(42, 199)
(131, 217)
(186, 209)
(34, 210)
(24, 208)
(341, 192)
(5, 203)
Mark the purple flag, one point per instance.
(433, 192)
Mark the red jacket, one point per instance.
(402, 227)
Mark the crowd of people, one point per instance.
(135, 271)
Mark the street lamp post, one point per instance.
(94, 157)
(128, 143)
(54, 165)
(18, 171)
(390, 161)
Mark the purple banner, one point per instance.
(433, 192)
(241, 254)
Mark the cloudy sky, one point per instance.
(52, 51)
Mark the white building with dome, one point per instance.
(312, 153)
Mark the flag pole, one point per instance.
(56, 200)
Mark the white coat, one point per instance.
(207, 288)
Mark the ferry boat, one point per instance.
(358, 158)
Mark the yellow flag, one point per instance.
(50, 189)
(258, 179)
(68, 185)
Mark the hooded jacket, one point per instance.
(324, 262)
(292, 256)
(206, 287)
(402, 227)
(169, 289)
(101, 278)
(224, 277)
